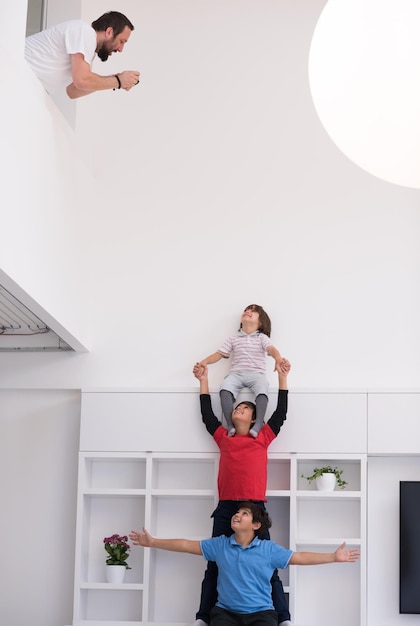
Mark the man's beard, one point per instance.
(103, 52)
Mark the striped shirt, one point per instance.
(248, 351)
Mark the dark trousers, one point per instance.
(221, 617)
(222, 516)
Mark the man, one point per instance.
(245, 565)
(61, 56)
(242, 476)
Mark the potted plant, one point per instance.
(118, 550)
(326, 478)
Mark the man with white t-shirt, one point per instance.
(61, 56)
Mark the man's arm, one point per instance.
(319, 558)
(85, 81)
(279, 416)
(146, 540)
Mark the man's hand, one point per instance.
(129, 79)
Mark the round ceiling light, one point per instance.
(364, 74)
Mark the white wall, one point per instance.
(384, 476)
(214, 186)
(38, 463)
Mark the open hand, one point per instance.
(141, 539)
(342, 555)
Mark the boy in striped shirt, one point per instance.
(248, 349)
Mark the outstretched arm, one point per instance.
(146, 540)
(213, 358)
(209, 360)
(279, 360)
(319, 558)
(85, 81)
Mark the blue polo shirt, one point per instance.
(243, 583)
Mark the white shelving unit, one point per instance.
(122, 491)
(321, 521)
(173, 494)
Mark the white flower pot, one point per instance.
(326, 482)
(115, 574)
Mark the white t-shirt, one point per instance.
(48, 52)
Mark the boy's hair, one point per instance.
(265, 322)
(116, 20)
(259, 515)
(251, 405)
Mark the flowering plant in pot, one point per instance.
(118, 550)
(319, 471)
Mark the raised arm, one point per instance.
(146, 540)
(209, 419)
(283, 374)
(200, 371)
(320, 558)
(279, 416)
(85, 81)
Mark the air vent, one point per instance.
(22, 330)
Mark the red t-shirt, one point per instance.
(243, 464)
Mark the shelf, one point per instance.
(110, 586)
(114, 492)
(182, 493)
(301, 494)
(328, 541)
(130, 623)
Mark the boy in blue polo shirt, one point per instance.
(245, 565)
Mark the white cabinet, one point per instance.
(171, 422)
(173, 493)
(333, 423)
(394, 423)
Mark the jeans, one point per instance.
(221, 617)
(222, 516)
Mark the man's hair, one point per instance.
(265, 322)
(259, 515)
(116, 20)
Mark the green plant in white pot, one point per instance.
(326, 478)
(118, 552)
